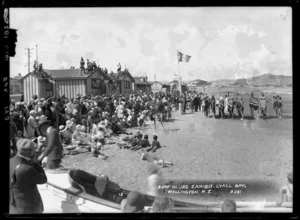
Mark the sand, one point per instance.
(206, 149)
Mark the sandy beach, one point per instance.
(205, 149)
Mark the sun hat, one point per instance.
(61, 127)
(32, 112)
(135, 202)
(78, 127)
(24, 146)
(136, 134)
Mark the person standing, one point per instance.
(32, 125)
(206, 105)
(275, 110)
(25, 174)
(213, 105)
(196, 102)
(253, 104)
(279, 106)
(263, 105)
(184, 102)
(221, 107)
(239, 104)
(54, 149)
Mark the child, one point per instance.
(155, 145)
(76, 136)
(287, 191)
(135, 142)
(98, 137)
(279, 106)
(153, 159)
(41, 144)
(73, 124)
(143, 144)
(65, 134)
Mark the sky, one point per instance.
(223, 42)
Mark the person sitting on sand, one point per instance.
(228, 206)
(286, 192)
(135, 142)
(154, 146)
(156, 160)
(143, 144)
(98, 135)
(78, 137)
(131, 137)
(72, 124)
(65, 133)
(124, 123)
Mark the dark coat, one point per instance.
(54, 147)
(25, 197)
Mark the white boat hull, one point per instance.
(57, 200)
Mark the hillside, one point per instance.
(266, 80)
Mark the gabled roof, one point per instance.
(65, 74)
(176, 81)
(139, 80)
(40, 75)
(121, 75)
(74, 74)
(163, 83)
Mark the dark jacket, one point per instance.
(25, 197)
(54, 147)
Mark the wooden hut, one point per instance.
(123, 81)
(160, 87)
(68, 82)
(141, 84)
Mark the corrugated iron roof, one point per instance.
(67, 73)
(139, 80)
(73, 73)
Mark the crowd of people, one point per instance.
(41, 128)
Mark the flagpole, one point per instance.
(179, 76)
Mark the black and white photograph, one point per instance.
(151, 110)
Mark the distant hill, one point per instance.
(265, 80)
(241, 82)
(222, 82)
(198, 83)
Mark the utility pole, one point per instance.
(37, 60)
(28, 53)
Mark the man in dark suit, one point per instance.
(54, 149)
(25, 174)
(196, 102)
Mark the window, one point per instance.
(96, 84)
(126, 84)
(48, 86)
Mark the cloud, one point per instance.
(122, 43)
(223, 42)
(146, 47)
